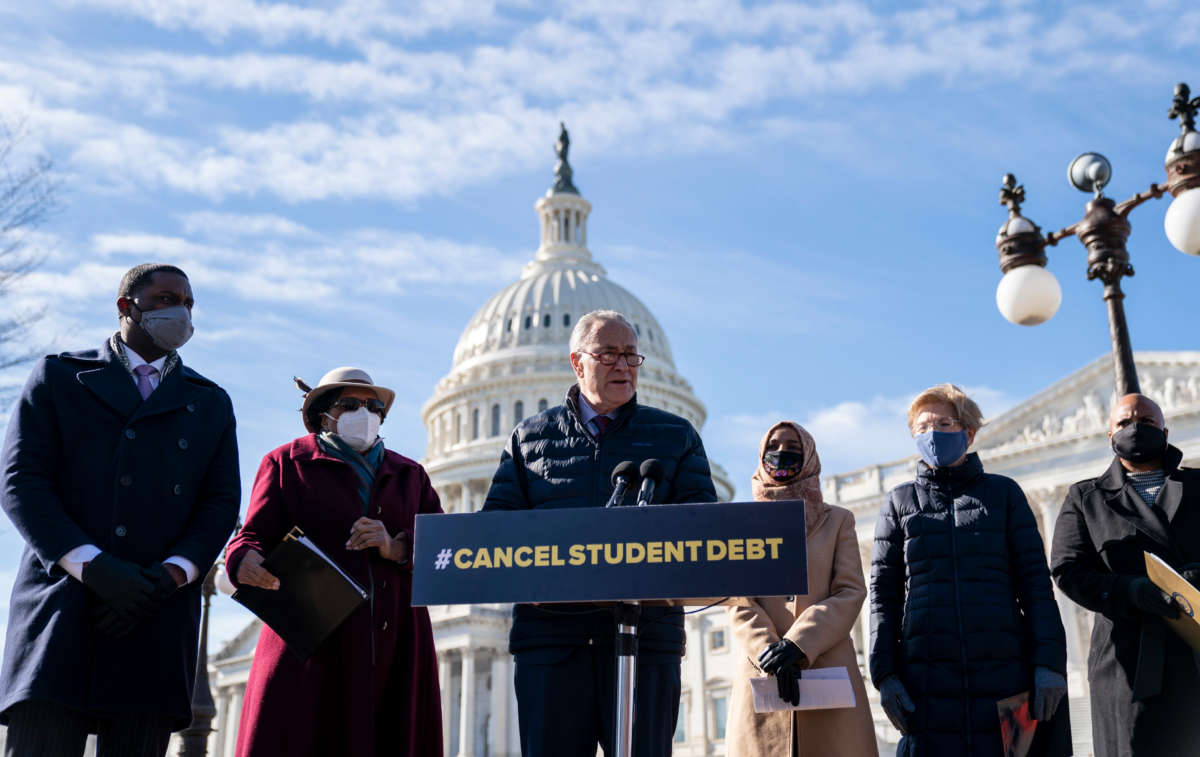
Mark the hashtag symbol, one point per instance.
(442, 560)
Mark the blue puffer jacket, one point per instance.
(962, 608)
(553, 461)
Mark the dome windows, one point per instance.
(475, 424)
(566, 319)
(546, 321)
(528, 322)
(495, 420)
(518, 412)
(542, 404)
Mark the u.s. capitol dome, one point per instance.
(512, 358)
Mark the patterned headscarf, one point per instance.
(806, 486)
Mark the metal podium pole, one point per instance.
(627, 614)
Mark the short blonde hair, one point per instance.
(964, 407)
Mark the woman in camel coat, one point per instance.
(815, 628)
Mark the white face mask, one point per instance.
(358, 428)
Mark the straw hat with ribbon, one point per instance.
(338, 378)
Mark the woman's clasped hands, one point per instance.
(366, 533)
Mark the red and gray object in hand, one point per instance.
(897, 705)
(1150, 599)
(784, 660)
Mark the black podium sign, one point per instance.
(622, 553)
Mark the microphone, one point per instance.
(624, 476)
(652, 474)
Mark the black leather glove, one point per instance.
(1148, 598)
(896, 703)
(120, 585)
(783, 659)
(788, 681)
(1191, 573)
(164, 583)
(782, 654)
(110, 622)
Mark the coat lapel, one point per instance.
(112, 384)
(172, 393)
(1171, 497)
(1122, 498)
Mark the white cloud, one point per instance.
(351, 21)
(404, 122)
(235, 225)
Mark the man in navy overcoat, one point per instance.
(120, 471)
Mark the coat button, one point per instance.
(191, 408)
(126, 480)
(384, 625)
(383, 584)
(177, 489)
(120, 531)
(130, 433)
(183, 444)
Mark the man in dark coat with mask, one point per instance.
(120, 471)
(1144, 678)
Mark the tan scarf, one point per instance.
(806, 486)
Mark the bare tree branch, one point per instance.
(29, 196)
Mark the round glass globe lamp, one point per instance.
(1182, 222)
(1028, 295)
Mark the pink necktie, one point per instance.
(144, 372)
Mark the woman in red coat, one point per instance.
(371, 688)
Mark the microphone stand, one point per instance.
(627, 615)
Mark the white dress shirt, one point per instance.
(135, 360)
(72, 562)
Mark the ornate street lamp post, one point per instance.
(1029, 294)
(194, 739)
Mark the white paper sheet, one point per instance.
(820, 689)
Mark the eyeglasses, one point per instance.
(939, 424)
(350, 404)
(608, 357)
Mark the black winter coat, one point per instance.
(962, 608)
(1144, 679)
(86, 460)
(553, 461)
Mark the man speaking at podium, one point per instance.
(564, 457)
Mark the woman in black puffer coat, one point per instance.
(962, 610)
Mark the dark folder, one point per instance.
(313, 598)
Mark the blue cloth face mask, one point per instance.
(942, 448)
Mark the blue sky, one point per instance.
(803, 194)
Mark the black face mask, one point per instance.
(783, 464)
(1140, 443)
